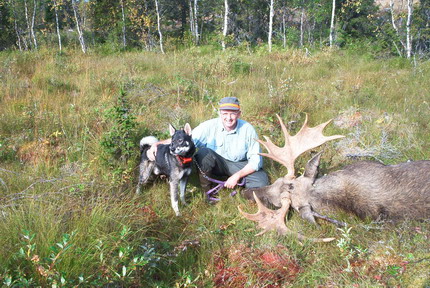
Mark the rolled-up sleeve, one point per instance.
(254, 159)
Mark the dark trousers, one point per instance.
(213, 165)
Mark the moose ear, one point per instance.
(187, 129)
(171, 129)
(311, 169)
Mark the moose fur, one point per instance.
(365, 188)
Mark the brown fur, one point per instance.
(365, 188)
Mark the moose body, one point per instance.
(371, 189)
(367, 189)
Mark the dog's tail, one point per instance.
(148, 140)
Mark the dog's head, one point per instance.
(182, 144)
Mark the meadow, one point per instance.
(70, 124)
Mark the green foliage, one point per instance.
(118, 142)
(121, 239)
(118, 262)
(347, 248)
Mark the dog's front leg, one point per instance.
(174, 196)
(182, 188)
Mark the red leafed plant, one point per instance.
(242, 266)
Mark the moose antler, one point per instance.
(307, 138)
(268, 219)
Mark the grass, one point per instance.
(69, 214)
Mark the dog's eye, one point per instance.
(180, 141)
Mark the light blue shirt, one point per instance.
(236, 145)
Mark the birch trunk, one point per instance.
(196, 25)
(399, 37)
(271, 24)
(124, 39)
(27, 20)
(284, 29)
(33, 35)
(191, 17)
(302, 16)
(225, 29)
(57, 24)
(78, 28)
(332, 28)
(159, 26)
(17, 29)
(408, 30)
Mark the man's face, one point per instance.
(229, 118)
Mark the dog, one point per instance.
(173, 160)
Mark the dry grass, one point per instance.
(52, 120)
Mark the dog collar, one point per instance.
(184, 160)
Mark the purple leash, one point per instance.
(218, 187)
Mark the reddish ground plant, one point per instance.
(243, 266)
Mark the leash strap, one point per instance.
(220, 184)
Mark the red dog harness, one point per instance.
(184, 160)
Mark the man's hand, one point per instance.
(232, 181)
(151, 152)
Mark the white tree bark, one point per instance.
(27, 20)
(16, 26)
(302, 17)
(78, 28)
(124, 39)
(284, 29)
(271, 13)
(408, 30)
(57, 24)
(399, 37)
(225, 29)
(196, 24)
(33, 35)
(159, 26)
(192, 25)
(332, 28)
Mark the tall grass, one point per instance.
(63, 201)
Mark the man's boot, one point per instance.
(204, 183)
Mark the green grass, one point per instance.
(69, 215)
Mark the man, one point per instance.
(227, 148)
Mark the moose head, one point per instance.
(364, 188)
(289, 191)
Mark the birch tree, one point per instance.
(225, 28)
(196, 25)
(332, 27)
(21, 41)
(302, 20)
(78, 27)
(57, 22)
(159, 27)
(124, 39)
(408, 30)
(190, 4)
(271, 13)
(30, 23)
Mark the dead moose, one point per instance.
(365, 188)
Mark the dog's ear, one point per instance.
(187, 129)
(171, 129)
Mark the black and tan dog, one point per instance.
(173, 160)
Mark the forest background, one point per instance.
(83, 81)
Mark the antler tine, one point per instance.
(307, 138)
(268, 219)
